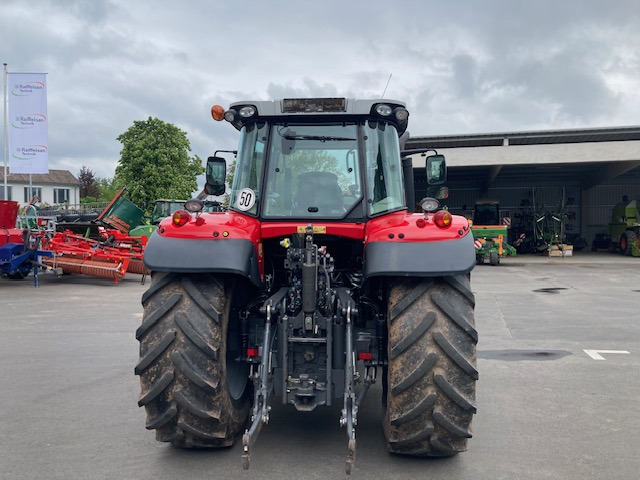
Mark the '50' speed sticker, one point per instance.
(246, 199)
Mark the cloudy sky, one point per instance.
(461, 66)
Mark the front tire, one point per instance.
(194, 393)
(432, 366)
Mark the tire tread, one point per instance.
(182, 361)
(431, 375)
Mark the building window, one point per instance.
(9, 191)
(60, 195)
(36, 192)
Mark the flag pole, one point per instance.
(6, 135)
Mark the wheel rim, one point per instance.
(237, 373)
(237, 377)
(623, 243)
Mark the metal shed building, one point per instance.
(582, 172)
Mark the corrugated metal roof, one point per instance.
(54, 177)
(610, 134)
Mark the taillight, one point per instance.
(180, 218)
(442, 219)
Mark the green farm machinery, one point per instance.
(624, 228)
(489, 234)
(163, 208)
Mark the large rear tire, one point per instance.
(432, 366)
(193, 391)
(627, 239)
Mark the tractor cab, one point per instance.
(328, 159)
(163, 208)
(486, 212)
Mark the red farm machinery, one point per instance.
(20, 251)
(110, 252)
(317, 282)
(101, 248)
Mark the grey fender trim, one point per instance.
(419, 259)
(236, 256)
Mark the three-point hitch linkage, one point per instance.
(313, 323)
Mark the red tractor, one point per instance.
(317, 281)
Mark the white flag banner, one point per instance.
(28, 126)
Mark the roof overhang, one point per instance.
(589, 155)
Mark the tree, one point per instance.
(88, 185)
(155, 163)
(108, 189)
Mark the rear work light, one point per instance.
(248, 111)
(402, 114)
(429, 204)
(180, 218)
(230, 115)
(442, 219)
(383, 110)
(194, 205)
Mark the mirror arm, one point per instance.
(235, 152)
(404, 153)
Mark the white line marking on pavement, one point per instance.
(595, 354)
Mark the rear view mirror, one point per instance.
(216, 174)
(436, 170)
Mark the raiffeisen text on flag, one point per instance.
(28, 125)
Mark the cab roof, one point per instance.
(315, 106)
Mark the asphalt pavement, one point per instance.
(559, 362)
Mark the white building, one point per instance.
(55, 187)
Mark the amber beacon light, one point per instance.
(217, 112)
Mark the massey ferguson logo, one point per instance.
(28, 88)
